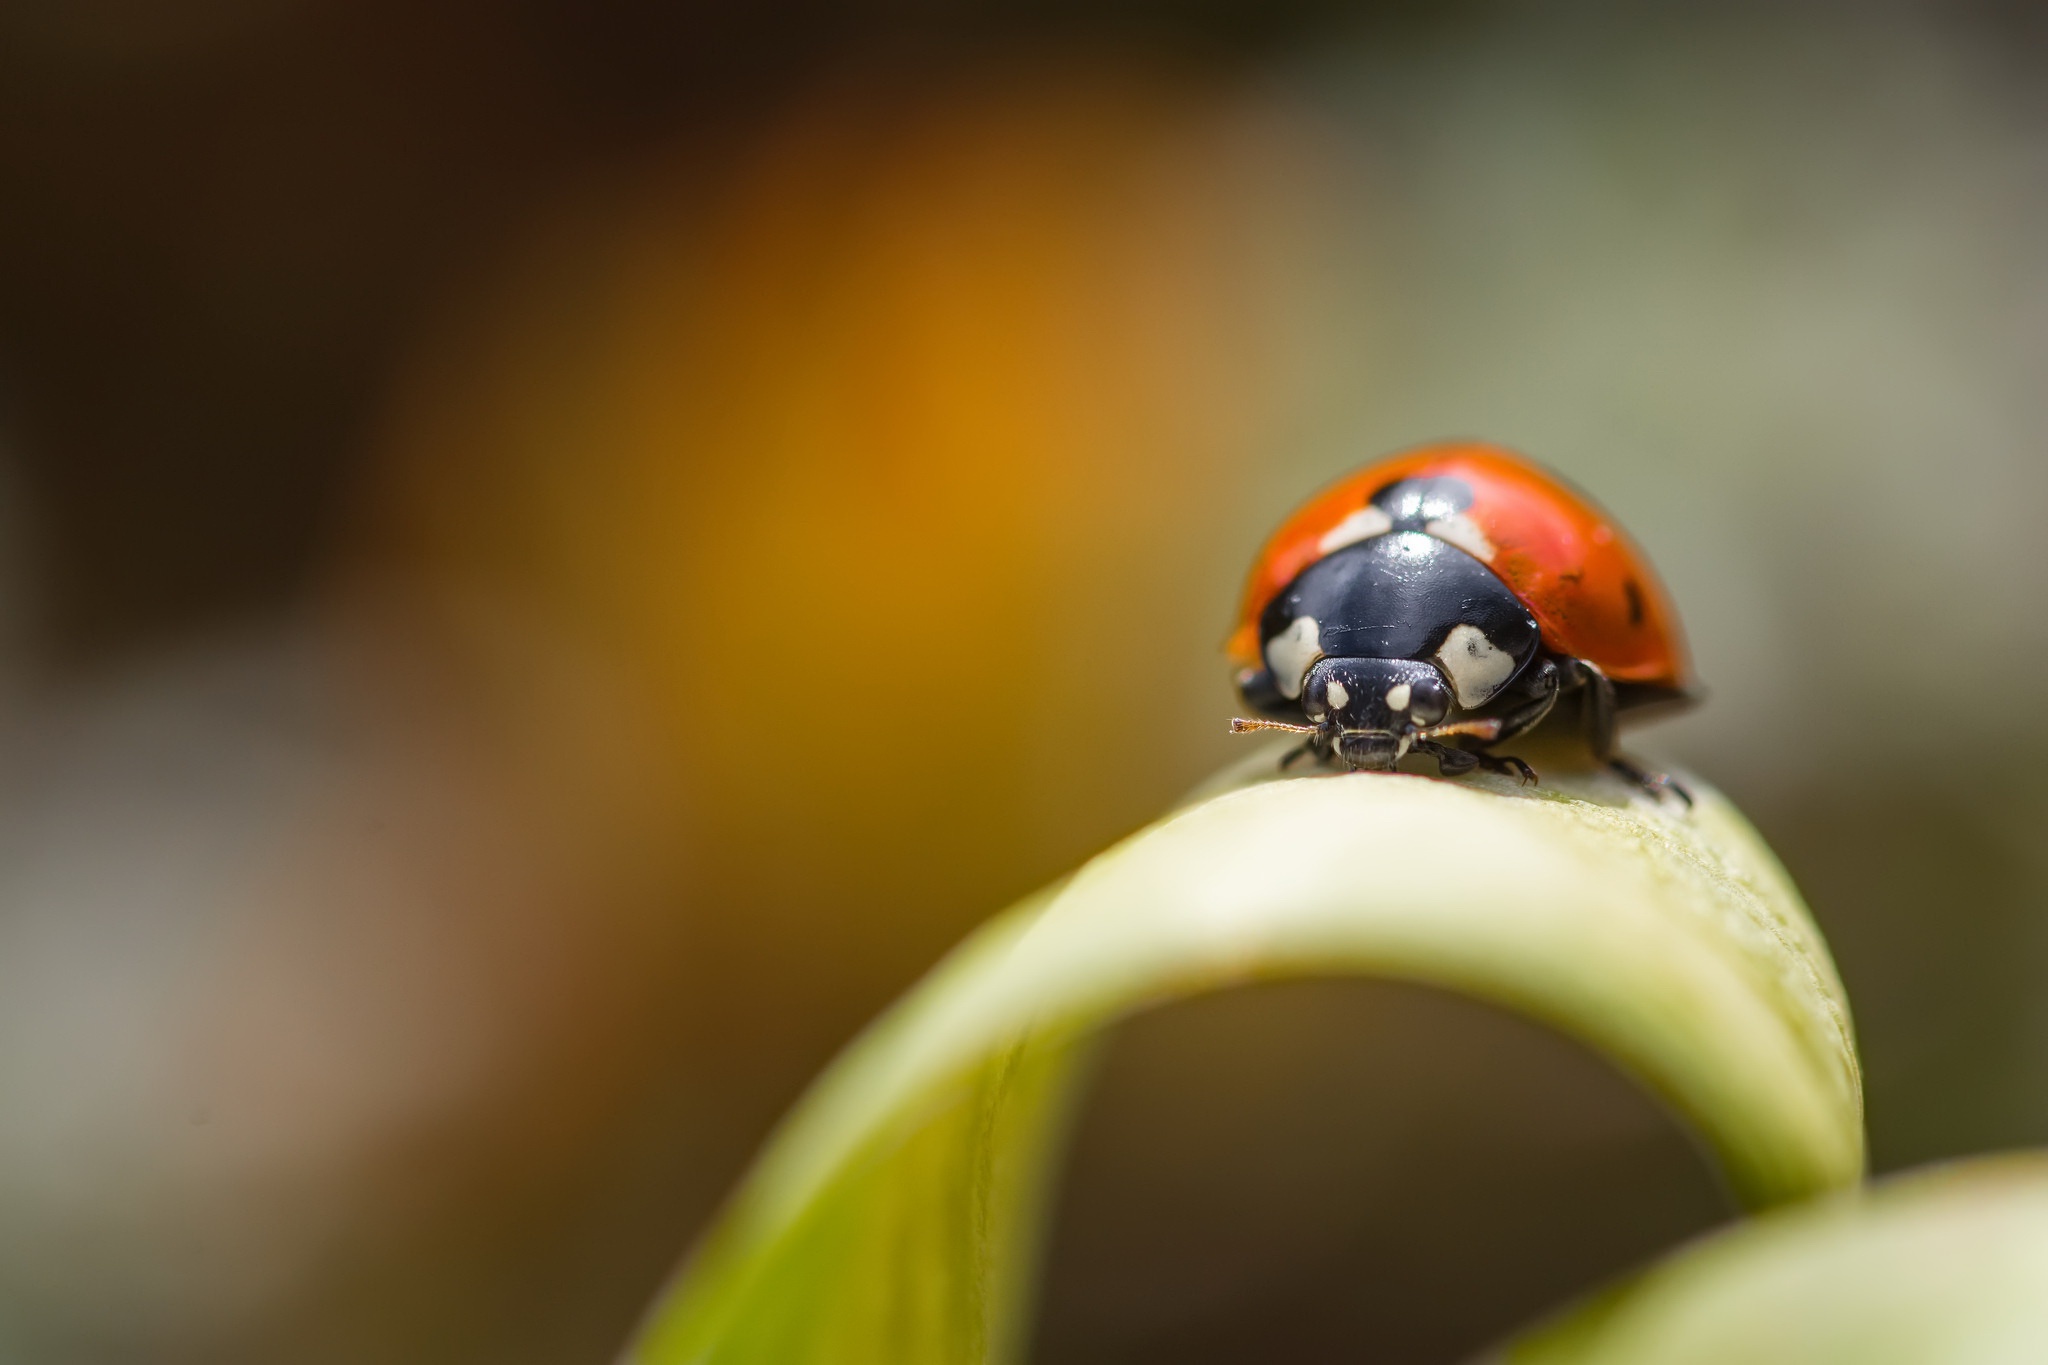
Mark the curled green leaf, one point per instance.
(1948, 1267)
(896, 1215)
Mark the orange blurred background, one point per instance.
(557, 557)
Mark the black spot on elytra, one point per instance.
(1635, 601)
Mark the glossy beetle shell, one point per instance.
(1592, 592)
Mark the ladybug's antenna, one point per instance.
(1240, 726)
(1487, 729)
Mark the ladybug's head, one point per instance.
(1373, 709)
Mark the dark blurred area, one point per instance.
(492, 498)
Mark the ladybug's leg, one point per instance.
(1543, 684)
(1600, 738)
(1656, 784)
(1508, 766)
(1599, 712)
(1451, 761)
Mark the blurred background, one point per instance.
(495, 498)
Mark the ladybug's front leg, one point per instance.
(1451, 761)
(1507, 765)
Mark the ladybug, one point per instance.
(1444, 601)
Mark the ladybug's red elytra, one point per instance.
(1445, 601)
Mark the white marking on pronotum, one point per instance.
(1363, 524)
(1397, 697)
(1477, 667)
(1338, 694)
(1463, 532)
(1290, 653)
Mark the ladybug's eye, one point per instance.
(1428, 702)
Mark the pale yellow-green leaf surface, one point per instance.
(895, 1217)
(1944, 1267)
